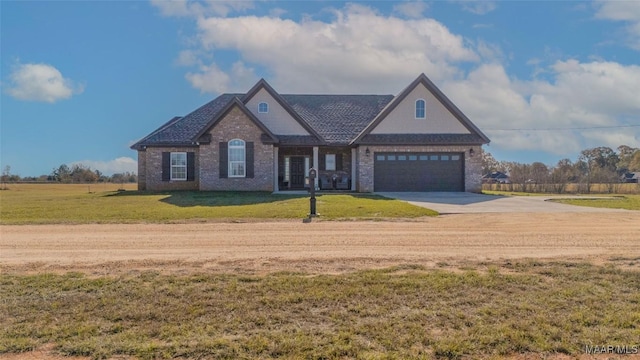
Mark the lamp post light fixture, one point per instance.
(313, 173)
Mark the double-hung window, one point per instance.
(237, 158)
(420, 109)
(330, 162)
(178, 166)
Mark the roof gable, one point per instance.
(235, 102)
(277, 118)
(256, 90)
(398, 117)
(313, 120)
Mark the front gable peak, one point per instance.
(421, 108)
(237, 103)
(275, 112)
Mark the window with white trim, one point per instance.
(330, 162)
(263, 107)
(421, 109)
(237, 159)
(178, 166)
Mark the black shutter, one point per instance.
(191, 166)
(323, 162)
(224, 160)
(339, 162)
(249, 159)
(166, 166)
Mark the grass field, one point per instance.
(405, 312)
(458, 309)
(102, 203)
(627, 202)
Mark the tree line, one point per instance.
(76, 174)
(599, 165)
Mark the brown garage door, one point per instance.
(418, 172)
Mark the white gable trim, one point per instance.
(402, 119)
(277, 118)
(439, 95)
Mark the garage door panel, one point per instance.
(418, 172)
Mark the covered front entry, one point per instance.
(419, 171)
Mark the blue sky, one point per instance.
(83, 80)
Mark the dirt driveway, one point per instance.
(321, 246)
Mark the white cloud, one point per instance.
(478, 7)
(182, 8)
(212, 79)
(367, 51)
(360, 50)
(627, 11)
(582, 96)
(413, 9)
(277, 12)
(188, 58)
(40, 82)
(118, 165)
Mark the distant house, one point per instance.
(496, 177)
(265, 141)
(631, 177)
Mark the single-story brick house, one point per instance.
(264, 141)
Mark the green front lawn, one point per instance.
(628, 202)
(52, 204)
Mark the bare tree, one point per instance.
(562, 174)
(520, 174)
(539, 176)
(489, 163)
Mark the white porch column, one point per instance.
(275, 169)
(316, 164)
(353, 169)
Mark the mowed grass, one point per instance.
(102, 203)
(628, 202)
(406, 312)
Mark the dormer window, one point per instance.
(420, 109)
(263, 107)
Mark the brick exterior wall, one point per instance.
(142, 170)
(236, 125)
(152, 172)
(472, 165)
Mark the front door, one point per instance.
(296, 172)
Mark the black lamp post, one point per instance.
(312, 189)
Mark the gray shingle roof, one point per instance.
(182, 130)
(338, 119)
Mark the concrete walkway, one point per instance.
(462, 203)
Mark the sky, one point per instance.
(81, 81)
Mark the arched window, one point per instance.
(263, 107)
(420, 109)
(237, 158)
